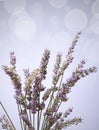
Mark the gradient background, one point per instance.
(27, 27)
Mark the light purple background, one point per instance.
(27, 27)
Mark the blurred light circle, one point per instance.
(12, 5)
(87, 2)
(17, 14)
(22, 25)
(54, 20)
(67, 9)
(95, 24)
(95, 7)
(25, 29)
(37, 10)
(75, 20)
(58, 3)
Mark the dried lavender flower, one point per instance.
(56, 69)
(69, 57)
(46, 94)
(25, 119)
(13, 75)
(6, 123)
(44, 62)
(12, 59)
(64, 124)
(31, 99)
(74, 121)
(67, 112)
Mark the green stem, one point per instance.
(27, 114)
(7, 115)
(61, 81)
(38, 121)
(49, 105)
(4, 124)
(50, 102)
(19, 117)
(34, 120)
(30, 116)
(40, 116)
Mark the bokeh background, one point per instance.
(27, 27)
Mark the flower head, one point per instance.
(31, 99)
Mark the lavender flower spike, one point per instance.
(34, 112)
(12, 59)
(44, 62)
(69, 57)
(56, 69)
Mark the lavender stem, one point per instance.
(7, 115)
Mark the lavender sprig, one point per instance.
(64, 124)
(59, 70)
(31, 99)
(69, 57)
(6, 121)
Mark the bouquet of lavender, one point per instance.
(31, 98)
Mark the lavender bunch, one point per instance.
(31, 99)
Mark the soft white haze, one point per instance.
(27, 27)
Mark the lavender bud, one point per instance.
(12, 58)
(46, 94)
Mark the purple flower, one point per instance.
(32, 97)
(46, 94)
(26, 72)
(44, 62)
(25, 119)
(12, 59)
